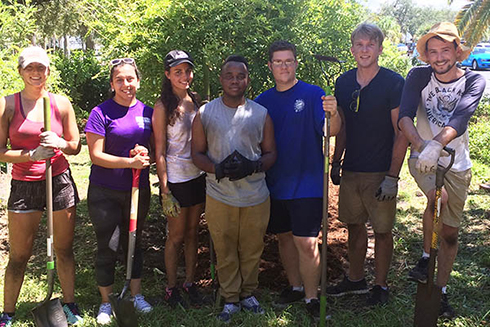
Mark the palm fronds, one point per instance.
(473, 21)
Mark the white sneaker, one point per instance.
(141, 305)
(104, 316)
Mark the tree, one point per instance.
(473, 21)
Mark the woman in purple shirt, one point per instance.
(118, 135)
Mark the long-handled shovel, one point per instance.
(326, 158)
(212, 267)
(49, 313)
(428, 300)
(123, 307)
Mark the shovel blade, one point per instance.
(49, 314)
(123, 310)
(427, 305)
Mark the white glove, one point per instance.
(429, 156)
(40, 153)
(49, 139)
(387, 189)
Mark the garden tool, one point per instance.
(428, 300)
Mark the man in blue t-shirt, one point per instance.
(369, 98)
(443, 97)
(296, 179)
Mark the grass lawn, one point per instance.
(469, 285)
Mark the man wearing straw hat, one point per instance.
(443, 97)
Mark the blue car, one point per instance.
(479, 57)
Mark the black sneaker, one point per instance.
(446, 311)
(288, 296)
(348, 287)
(313, 309)
(195, 297)
(420, 273)
(173, 298)
(378, 296)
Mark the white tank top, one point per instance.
(179, 162)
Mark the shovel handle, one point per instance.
(440, 174)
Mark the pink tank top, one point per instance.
(24, 135)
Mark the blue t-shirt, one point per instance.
(123, 128)
(369, 131)
(298, 118)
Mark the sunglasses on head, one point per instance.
(115, 62)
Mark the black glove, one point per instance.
(240, 167)
(335, 172)
(219, 169)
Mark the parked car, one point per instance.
(479, 58)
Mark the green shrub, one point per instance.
(83, 79)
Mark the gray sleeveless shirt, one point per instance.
(229, 129)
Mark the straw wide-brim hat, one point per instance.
(448, 32)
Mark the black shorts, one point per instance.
(189, 193)
(31, 196)
(301, 216)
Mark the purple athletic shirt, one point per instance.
(123, 128)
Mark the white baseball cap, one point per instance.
(33, 54)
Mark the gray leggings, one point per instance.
(108, 210)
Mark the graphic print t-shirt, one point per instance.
(438, 104)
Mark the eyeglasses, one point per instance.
(356, 96)
(279, 63)
(129, 61)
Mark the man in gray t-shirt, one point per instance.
(233, 141)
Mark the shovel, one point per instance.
(215, 285)
(49, 313)
(326, 159)
(428, 299)
(123, 307)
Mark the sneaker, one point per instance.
(289, 296)
(141, 305)
(378, 296)
(446, 311)
(228, 310)
(195, 298)
(251, 304)
(173, 298)
(5, 320)
(313, 309)
(348, 287)
(104, 316)
(419, 273)
(72, 313)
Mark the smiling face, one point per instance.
(180, 77)
(366, 51)
(283, 66)
(441, 55)
(234, 79)
(35, 74)
(125, 82)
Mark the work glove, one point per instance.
(49, 139)
(429, 156)
(240, 167)
(387, 189)
(170, 205)
(335, 172)
(219, 169)
(40, 153)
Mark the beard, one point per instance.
(443, 70)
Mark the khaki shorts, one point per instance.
(357, 201)
(456, 185)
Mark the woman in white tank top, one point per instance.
(179, 178)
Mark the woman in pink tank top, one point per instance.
(21, 117)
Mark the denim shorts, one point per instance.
(31, 196)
